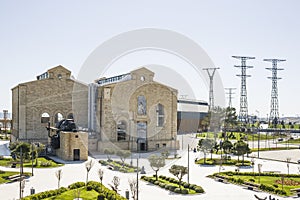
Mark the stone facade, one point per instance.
(54, 95)
(136, 113)
(73, 146)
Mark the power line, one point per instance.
(274, 113)
(243, 114)
(211, 73)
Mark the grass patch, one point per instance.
(5, 174)
(269, 182)
(90, 191)
(118, 166)
(273, 149)
(172, 185)
(70, 194)
(41, 163)
(218, 161)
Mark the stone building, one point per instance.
(54, 95)
(132, 111)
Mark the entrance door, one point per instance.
(76, 154)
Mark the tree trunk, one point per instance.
(156, 174)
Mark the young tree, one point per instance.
(227, 147)
(108, 153)
(123, 154)
(15, 149)
(133, 188)
(100, 174)
(58, 175)
(178, 171)
(165, 154)
(206, 145)
(115, 184)
(88, 166)
(156, 162)
(241, 148)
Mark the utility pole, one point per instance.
(243, 115)
(274, 113)
(211, 73)
(230, 97)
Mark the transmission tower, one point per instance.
(211, 73)
(243, 115)
(230, 97)
(274, 114)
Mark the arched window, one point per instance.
(160, 115)
(121, 130)
(58, 117)
(70, 116)
(45, 118)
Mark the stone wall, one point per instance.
(70, 141)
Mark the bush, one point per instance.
(162, 185)
(184, 191)
(198, 189)
(251, 180)
(275, 185)
(191, 186)
(76, 185)
(156, 182)
(177, 190)
(186, 185)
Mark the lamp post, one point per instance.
(188, 166)
(137, 169)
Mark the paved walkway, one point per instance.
(45, 179)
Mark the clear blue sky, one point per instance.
(37, 35)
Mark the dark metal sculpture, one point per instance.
(67, 125)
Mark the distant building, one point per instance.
(189, 115)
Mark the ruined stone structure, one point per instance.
(49, 98)
(73, 146)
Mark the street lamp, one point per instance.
(137, 169)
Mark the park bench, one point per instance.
(220, 178)
(251, 186)
(110, 167)
(296, 190)
(15, 177)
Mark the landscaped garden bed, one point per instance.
(40, 162)
(6, 176)
(172, 185)
(90, 191)
(118, 166)
(280, 184)
(218, 161)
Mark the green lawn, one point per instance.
(42, 163)
(70, 195)
(239, 136)
(217, 161)
(5, 174)
(271, 181)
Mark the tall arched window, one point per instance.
(121, 130)
(58, 117)
(45, 118)
(160, 115)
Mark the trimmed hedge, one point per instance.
(173, 188)
(91, 185)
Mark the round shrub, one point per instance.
(184, 191)
(177, 190)
(156, 182)
(198, 189)
(162, 185)
(191, 186)
(251, 180)
(186, 185)
(172, 187)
